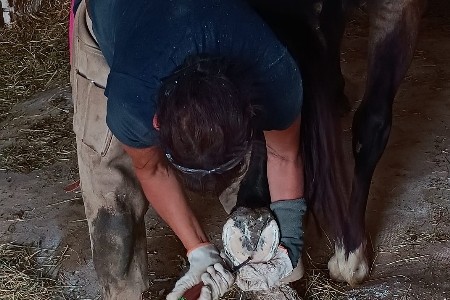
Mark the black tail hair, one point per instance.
(326, 179)
(326, 176)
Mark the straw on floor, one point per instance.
(34, 57)
(28, 272)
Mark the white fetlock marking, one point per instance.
(353, 270)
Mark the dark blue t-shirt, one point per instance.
(143, 41)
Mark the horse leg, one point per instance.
(332, 24)
(251, 188)
(254, 187)
(393, 32)
(251, 229)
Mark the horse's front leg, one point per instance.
(393, 32)
(251, 189)
(251, 230)
(254, 187)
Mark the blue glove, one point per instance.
(289, 215)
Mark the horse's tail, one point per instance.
(326, 178)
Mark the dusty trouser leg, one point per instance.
(114, 203)
(115, 211)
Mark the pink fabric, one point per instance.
(71, 21)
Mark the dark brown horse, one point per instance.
(313, 30)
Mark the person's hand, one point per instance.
(289, 215)
(265, 275)
(217, 281)
(205, 265)
(286, 265)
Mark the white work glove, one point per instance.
(217, 280)
(205, 264)
(265, 275)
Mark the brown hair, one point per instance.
(205, 118)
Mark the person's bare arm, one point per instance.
(165, 194)
(284, 164)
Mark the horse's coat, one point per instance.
(312, 30)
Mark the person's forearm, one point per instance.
(284, 163)
(166, 196)
(285, 176)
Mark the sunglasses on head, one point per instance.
(227, 166)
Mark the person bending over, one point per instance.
(169, 94)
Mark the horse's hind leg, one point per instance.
(393, 32)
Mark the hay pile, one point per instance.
(320, 287)
(315, 285)
(27, 272)
(38, 140)
(34, 53)
(34, 57)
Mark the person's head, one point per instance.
(205, 121)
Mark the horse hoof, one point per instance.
(250, 233)
(352, 269)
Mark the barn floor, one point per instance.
(408, 214)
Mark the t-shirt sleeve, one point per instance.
(141, 58)
(131, 121)
(282, 93)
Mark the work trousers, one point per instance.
(114, 202)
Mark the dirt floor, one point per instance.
(408, 214)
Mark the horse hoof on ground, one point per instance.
(352, 269)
